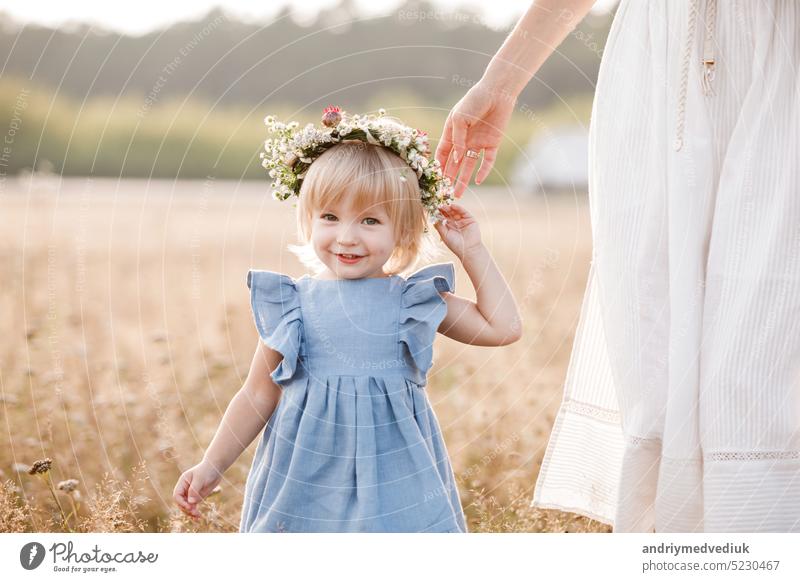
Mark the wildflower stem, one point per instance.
(55, 497)
(74, 509)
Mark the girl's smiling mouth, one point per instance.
(348, 259)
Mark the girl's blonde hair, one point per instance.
(366, 175)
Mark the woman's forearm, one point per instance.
(535, 36)
(248, 412)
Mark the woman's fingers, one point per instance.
(446, 143)
(487, 163)
(450, 169)
(463, 178)
(459, 135)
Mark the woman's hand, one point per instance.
(459, 230)
(194, 485)
(476, 123)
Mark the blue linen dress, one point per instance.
(353, 445)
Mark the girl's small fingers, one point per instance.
(459, 209)
(193, 495)
(190, 511)
(179, 493)
(456, 209)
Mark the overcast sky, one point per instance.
(143, 16)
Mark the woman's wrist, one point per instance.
(503, 81)
(541, 29)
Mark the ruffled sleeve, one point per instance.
(423, 309)
(276, 310)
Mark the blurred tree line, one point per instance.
(188, 101)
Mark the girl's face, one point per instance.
(352, 244)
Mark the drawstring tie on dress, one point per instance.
(708, 63)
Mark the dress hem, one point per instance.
(576, 510)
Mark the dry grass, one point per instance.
(128, 330)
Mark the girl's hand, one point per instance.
(459, 230)
(193, 486)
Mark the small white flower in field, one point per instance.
(67, 486)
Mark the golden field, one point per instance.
(128, 329)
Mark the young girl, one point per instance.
(351, 443)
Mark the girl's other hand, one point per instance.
(459, 230)
(193, 486)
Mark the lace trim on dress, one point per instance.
(584, 409)
(612, 416)
(636, 440)
(752, 456)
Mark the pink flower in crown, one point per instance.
(331, 116)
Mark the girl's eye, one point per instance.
(328, 217)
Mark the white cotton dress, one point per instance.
(681, 408)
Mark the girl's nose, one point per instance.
(347, 235)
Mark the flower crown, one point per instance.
(288, 155)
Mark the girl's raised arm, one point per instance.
(492, 320)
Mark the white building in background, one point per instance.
(555, 160)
